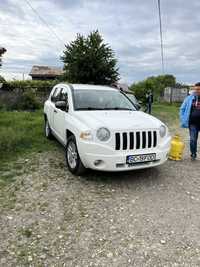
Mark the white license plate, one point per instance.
(133, 159)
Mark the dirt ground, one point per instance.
(48, 217)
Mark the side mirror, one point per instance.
(61, 105)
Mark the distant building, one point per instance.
(173, 94)
(45, 73)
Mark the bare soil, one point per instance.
(48, 217)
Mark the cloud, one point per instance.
(130, 27)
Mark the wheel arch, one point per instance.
(68, 134)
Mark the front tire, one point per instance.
(73, 160)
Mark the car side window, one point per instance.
(56, 95)
(63, 95)
(52, 94)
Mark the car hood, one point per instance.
(116, 120)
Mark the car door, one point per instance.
(52, 106)
(59, 115)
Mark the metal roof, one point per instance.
(45, 71)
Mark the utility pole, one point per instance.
(161, 37)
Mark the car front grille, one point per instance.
(135, 140)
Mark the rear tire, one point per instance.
(47, 129)
(73, 160)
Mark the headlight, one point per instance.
(86, 135)
(163, 130)
(103, 134)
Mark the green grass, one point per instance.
(167, 113)
(21, 133)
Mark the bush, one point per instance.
(20, 101)
(37, 86)
(2, 82)
(156, 84)
(24, 95)
(28, 101)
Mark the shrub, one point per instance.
(38, 86)
(25, 95)
(28, 101)
(156, 84)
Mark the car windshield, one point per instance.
(132, 98)
(101, 100)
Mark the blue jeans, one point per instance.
(194, 130)
(148, 107)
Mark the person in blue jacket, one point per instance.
(190, 118)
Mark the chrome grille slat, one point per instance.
(136, 140)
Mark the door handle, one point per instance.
(55, 111)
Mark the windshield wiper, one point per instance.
(118, 108)
(89, 108)
(114, 108)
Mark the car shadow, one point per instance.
(150, 175)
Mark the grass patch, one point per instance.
(21, 133)
(168, 113)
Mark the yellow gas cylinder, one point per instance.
(177, 148)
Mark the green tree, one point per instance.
(156, 84)
(89, 60)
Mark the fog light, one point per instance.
(120, 165)
(97, 162)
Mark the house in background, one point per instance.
(175, 94)
(45, 72)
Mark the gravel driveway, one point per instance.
(144, 218)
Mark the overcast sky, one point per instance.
(130, 26)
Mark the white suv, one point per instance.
(102, 130)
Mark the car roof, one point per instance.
(89, 86)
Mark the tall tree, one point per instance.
(90, 60)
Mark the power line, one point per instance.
(44, 22)
(161, 36)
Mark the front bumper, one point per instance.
(112, 160)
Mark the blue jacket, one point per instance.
(185, 110)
